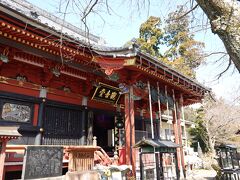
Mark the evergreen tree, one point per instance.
(199, 132)
(184, 52)
(151, 36)
(173, 44)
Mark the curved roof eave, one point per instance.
(133, 52)
(171, 70)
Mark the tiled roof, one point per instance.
(53, 22)
(132, 51)
(156, 143)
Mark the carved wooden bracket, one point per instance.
(47, 75)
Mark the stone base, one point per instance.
(84, 175)
(49, 178)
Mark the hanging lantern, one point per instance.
(119, 122)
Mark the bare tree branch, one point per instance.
(61, 36)
(88, 9)
(180, 17)
(229, 64)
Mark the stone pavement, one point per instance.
(201, 174)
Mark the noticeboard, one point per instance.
(106, 93)
(42, 161)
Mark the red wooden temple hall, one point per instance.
(63, 87)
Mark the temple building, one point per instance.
(62, 86)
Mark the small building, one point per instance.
(7, 133)
(228, 161)
(62, 87)
(153, 159)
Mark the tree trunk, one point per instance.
(212, 144)
(224, 16)
(211, 138)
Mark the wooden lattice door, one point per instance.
(62, 126)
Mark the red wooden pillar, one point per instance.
(3, 143)
(176, 135)
(130, 130)
(179, 117)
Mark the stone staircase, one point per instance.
(101, 157)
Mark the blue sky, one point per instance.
(122, 24)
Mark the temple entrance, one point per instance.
(103, 129)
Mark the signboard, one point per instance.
(106, 93)
(42, 161)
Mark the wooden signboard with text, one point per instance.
(106, 93)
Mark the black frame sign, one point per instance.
(106, 93)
